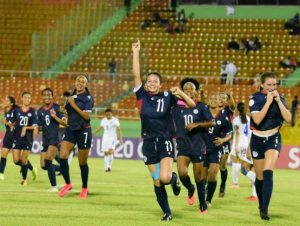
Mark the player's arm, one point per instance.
(237, 136)
(219, 141)
(231, 102)
(119, 134)
(285, 113)
(34, 127)
(179, 93)
(60, 121)
(136, 63)
(258, 116)
(97, 130)
(84, 114)
(206, 124)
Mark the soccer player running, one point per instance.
(189, 124)
(227, 107)
(240, 152)
(216, 137)
(78, 131)
(50, 128)
(157, 130)
(9, 105)
(25, 123)
(268, 111)
(111, 136)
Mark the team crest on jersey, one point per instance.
(251, 102)
(195, 111)
(29, 114)
(219, 122)
(166, 93)
(255, 154)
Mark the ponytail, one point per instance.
(241, 109)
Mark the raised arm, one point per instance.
(260, 115)
(136, 63)
(179, 93)
(231, 102)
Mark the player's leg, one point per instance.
(50, 154)
(84, 169)
(182, 168)
(110, 158)
(236, 166)
(199, 179)
(4, 153)
(224, 174)
(24, 165)
(211, 181)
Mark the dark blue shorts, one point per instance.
(192, 149)
(259, 145)
(22, 145)
(225, 149)
(83, 137)
(8, 140)
(212, 156)
(155, 150)
(45, 147)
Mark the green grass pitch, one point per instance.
(125, 197)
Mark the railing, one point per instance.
(64, 34)
(242, 2)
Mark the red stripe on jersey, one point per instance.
(140, 105)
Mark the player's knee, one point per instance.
(165, 179)
(17, 162)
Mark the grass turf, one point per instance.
(125, 197)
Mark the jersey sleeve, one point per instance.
(140, 92)
(207, 116)
(254, 104)
(117, 122)
(59, 114)
(89, 104)
(283, 101)
(174, 99)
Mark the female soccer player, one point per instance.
(190, 140)
(50, 128)
(157, 130)
(9, 105)
(25, 123)
(227, 107)
(216, 137)
(241, 149)
(268, 111)
(111, 136)
(78, 131)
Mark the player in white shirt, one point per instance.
(111, 137)
(240, 151)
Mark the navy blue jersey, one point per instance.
(155, 112)
(184, 116)
(228, 112)
(50, 127)
(273, 117)
(221, 129)
(7, 116)
(20, 119)
(86, 103)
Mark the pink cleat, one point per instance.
(203, 212)
(83, 193)
(64, 190)
(191, 200)
(252, 198)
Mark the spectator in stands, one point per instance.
(112, 67)
(244, 45)
(145, 24)
(289, 62)
(223, 72)
(159, 20)
(181, 18)
(229, 7)
(233, 44)
(231, 71)
(254, 43)
(170, 26)
(294, 109)
(292, 22)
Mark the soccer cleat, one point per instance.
(1, 176)
(222, 192)
(252, 198)
(176, 186)
(235, 185)
(264, 216)
(53, 189)
(109, 169)
(203, 211)
(64, 190)
(34, 173)
(191, 196)
(166, 217)
(208, 203)
(83, 193)
(23, 182)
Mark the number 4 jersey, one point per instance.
(50, 126)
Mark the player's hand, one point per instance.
(270, 97)
(218, 141)
(176, 91)
(191, 126)
(52, 113)
(136, 46)
(23, 133)
(71, 101)
(276, 96)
